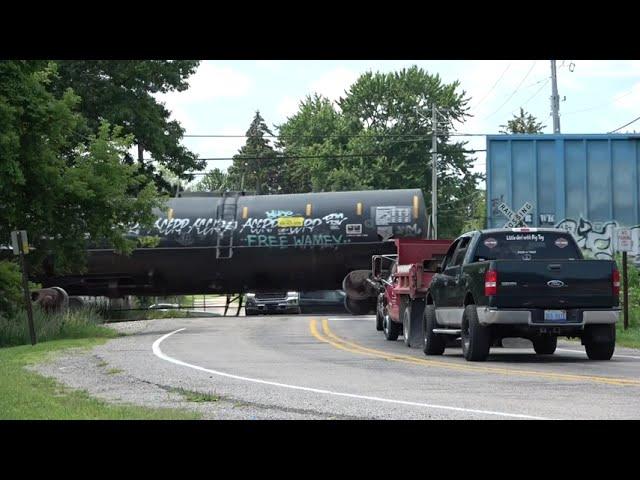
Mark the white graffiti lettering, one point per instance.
(259, 225)
(278, 213)
(166, 226)
(598, 240)
(334, 219)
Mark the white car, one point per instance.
(272, 302)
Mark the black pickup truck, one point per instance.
(522, 282)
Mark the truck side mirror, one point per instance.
(376, 267)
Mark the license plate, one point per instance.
(555, 315)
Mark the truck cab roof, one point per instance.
(518, 230)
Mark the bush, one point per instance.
(81, 323)
(11, 295)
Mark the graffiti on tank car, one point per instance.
(259, 225)
(134, 230)
(207, 226)
(173, 226)
(262, 231)
(322, 240)
(408, 230)
(334, 220)
(278, 213)
(292, 226)
(284, 241)
(202, 227)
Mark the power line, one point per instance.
(625, 125)
(536, 94)
(494, 86)
(603, 105)
(381, 135)
(514, 92)
(340, 155)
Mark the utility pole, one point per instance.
(434, 174)
(555, 99)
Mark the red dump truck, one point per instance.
(396, 286)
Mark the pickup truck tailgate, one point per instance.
(554, 283)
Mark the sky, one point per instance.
(597, 96)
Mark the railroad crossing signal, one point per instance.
(515, 218)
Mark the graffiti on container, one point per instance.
(598, 238)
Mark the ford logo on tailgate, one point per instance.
(556, 283)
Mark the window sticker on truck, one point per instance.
(561, 242)
(531, 237)
(490, 242)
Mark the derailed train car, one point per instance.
(235, 243)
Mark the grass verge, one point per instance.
(28, 395)
(631, 336)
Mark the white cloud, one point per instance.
(334, 83)
(210, 81)
(270, 65)
(287, 107)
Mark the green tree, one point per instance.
(523, 123)
(122, 93)
(214, 181)
(379, 137)
(64, 193)
(257, 164)
(476, 212)
(312, 140)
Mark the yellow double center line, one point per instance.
(329, 337)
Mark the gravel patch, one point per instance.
(89, 371)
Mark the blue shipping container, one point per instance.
(587, 184)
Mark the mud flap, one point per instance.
(416, 323)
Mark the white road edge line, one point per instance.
(584, 353)
(158, 353)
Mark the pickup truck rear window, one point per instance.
(526, 246)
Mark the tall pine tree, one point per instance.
(257, 166)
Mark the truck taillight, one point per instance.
(615, 278)
(490, 283)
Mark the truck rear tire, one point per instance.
(545, 345)
(391, 329)
(434, 344)
(406, 325)
(476, 339)
(600, 341)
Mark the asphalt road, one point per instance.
(341, 367)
